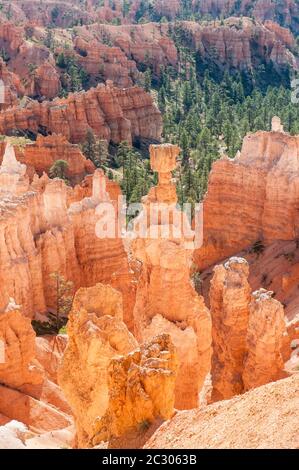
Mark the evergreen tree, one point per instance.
(147, 79)
(89, 147)
(59, 169)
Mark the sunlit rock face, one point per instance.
(114, 114)
(27, 393)
(166, 300)
(141, 389)
(112, 384)
(12, 174)
(17, 368)
(229, 305)
(249, 332)
(42, 154)
(97, 334)
(41, 234)
(249, 196)
(265, 341)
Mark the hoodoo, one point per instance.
(166, 300)
(249, 332)
(149, 226)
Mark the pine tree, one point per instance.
(162, 99)
(147, 79)
(101, 153)
(89, 147)
(59, 169)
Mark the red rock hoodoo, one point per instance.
(166, 300)
(249, 332)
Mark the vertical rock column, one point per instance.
(230, 298)
(265, 340)
(166, 300)
(96, 335)
(249, 333)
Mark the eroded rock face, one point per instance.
(113, 114)
(242, 43)
(26, 393)
(108, 63)
(12, 174)
(13, 87)
(257, 189)
(32, 63)
(40, 235)
(167, 9)
(229, 304)
(141, 389)
(42, 154)
(265, 341)
(17, 368)
(63, 14)
(235, 43)
(97, 263)
(96, 335)
(166, 300)
(146, 44)
(110, 52)
(263, 10)
(249, 332)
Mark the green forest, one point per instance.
(207, 112)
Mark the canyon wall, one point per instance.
(121, 53)
(106, 63)
(40, 235)
(250, 195)
(33, 63)
(65, 14)
(284, 11)
(43, 153)
(235, 43)
(113, 114)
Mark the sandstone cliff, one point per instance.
(32, 63)
(249, 195)
(61, 13)
(42, 154)
(17, 370)
(40, 235)
(13, 86)
(284, 11)
(234, 43)
(106, 63)
(229, 304)
(121, 53)
(264, 341)
(113, 114)
(241, 43)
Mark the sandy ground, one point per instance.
(267, 417)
